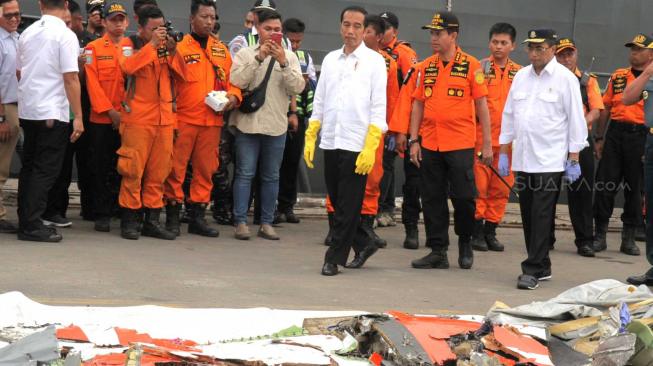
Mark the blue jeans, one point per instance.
(648, 188)
(266, 153)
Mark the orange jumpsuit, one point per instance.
(104, 79)
(147, 125)
(199, 126)
(492, 193)
(372, 188)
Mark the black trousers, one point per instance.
(104, 142)
(447, 174)
(621, 167)
(58, 198)
(579, 197)
(387, 185)
(346, 190)
(411, 206)
(43, 153)
(538, 194)
(292, 155)
(221, 194)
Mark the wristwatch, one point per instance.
(290, 113)
(573, 162)
(411, 142)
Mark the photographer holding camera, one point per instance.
(151, 64)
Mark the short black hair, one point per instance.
(54, 4)
(504, 28)
(6, 1)
(73, 7)
(354, 8)
(294, 25)
(379, 24)
(195, 5)
(138, 4)
(148, 12)
(266, 14)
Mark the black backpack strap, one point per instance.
(583, 93)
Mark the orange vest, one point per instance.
(612, 98)
(104, 79)
(498, 85)
(150, 99)
(448, 93)
(206, 70)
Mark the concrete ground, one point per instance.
(101, 269)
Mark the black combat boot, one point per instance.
(172, 218)
(198, 224)
(436, 259)
(367, 224)
(412, 237)
(478, 239)
(490, 236)
(152, 227)
(129, 225)
(329, 238)
(600, 233)
(628, 245)
(465, 252)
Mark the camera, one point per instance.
(177, 36)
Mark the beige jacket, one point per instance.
(247, 74)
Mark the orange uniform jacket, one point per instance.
(392, 89)
(498, 83)
(152, 70)
(104, 79)
(201, 68)
(448, 93)
(400, 122)
(403, 54)
(612, 98)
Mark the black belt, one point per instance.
(629, 126)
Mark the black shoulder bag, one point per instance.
(253, 100)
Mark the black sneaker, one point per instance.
(586, 250)
(7, 227)
(43, 235)
(103, 224)
(527, 282)
(56, 221)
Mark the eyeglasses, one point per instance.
(9, 16)
(538, 49)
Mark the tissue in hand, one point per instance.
(217, 100)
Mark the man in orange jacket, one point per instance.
(105, 84)
(374, 30)
(493, 194)
(207, 69)
(147, 126)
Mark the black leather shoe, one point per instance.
(586, 250)
(436, 259)
(412, 237)
(291, 218)
(600, 244)
(129, 223)
(7, 227)
(367, 225)
(329, 269)
(478, 240)
(465, 253)
(43, 235)
(640, 280)
(490, 236)
(153, 228)
(103, 224)
(198, 224)
(640, 233)
(362, 257)
(172, 218)
(628, 245)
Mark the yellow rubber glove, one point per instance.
(365, 160)
(309, 141)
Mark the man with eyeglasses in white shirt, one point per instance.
(544, 123)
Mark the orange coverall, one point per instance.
(199, 126)
(147, 125)
(104, 80)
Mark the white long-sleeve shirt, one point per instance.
(544, 118)
(350, 95)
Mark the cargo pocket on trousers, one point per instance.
(127, 162)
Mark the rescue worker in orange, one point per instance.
(405, 57)
(451, 96)
(105, 84)
(151, 62)
(207, 69)
(620, 150)
(374, 30)
(493, 194)
(579, 193)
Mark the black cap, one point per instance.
(93, 5)
(264, 4)
(443, 20)
(641, 40)
(114, 9)
(541, 36)
(391, 19)
(565, 44)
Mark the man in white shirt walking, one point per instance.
(48, 90)
(350, 109)
(543, 121)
